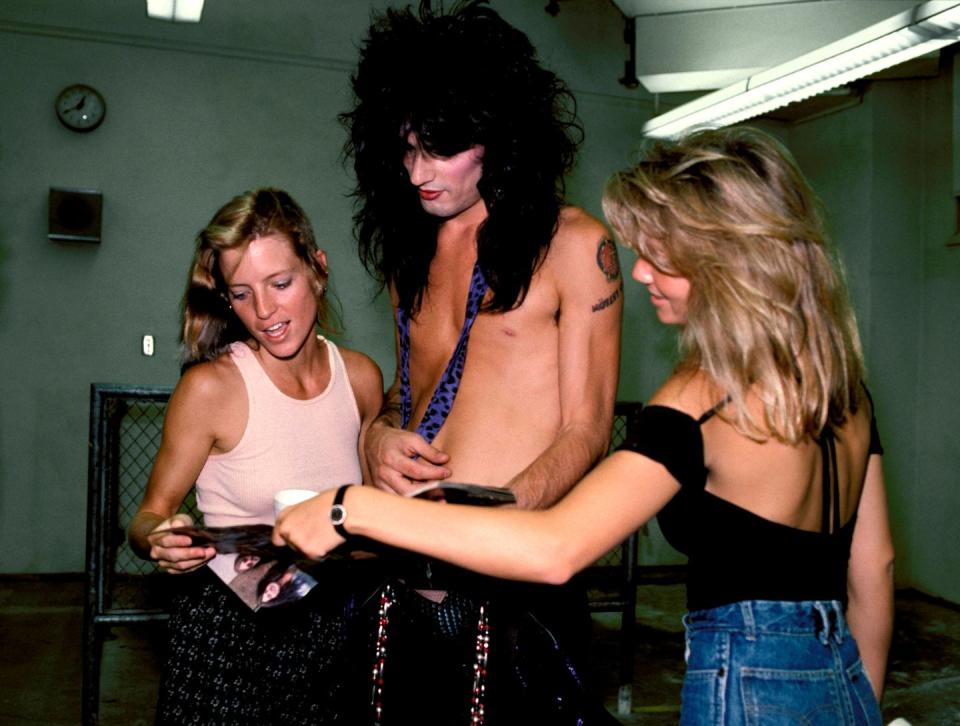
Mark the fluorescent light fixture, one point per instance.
(925, 28)
(694, 80)
(181, 11)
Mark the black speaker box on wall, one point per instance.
(74, 215)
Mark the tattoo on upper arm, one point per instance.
(608, 300)
(607, 259)
(609, 264)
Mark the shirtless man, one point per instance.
(459, 159)
(534, 406)
(460, 142)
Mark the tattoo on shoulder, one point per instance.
(607, 259)
(608, 300)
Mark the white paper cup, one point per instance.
(288, 497)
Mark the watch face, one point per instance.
(80, 107)
(338, 514)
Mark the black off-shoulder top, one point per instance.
(734, 554)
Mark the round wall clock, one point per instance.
(80, 107)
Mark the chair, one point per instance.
(121, 589)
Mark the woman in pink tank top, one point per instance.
(263, 404)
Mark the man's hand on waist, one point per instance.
(400, 461)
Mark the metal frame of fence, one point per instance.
(121, 589)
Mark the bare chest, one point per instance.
(496, 343)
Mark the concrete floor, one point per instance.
(40, 664)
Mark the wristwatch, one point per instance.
(338, 512)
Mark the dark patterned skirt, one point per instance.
(312, 661)
(229, 665)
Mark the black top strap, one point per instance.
(830, 483)
(710, 413)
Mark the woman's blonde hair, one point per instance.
(768, 311)
(209, 323)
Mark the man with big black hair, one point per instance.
(460, 141)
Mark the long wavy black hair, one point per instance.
(457, 79)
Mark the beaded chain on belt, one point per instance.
(380, 652)
(480, 668)
(479, 691)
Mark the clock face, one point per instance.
(80, 107)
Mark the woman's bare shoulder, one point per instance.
(210, 383)
(692, 391)
(211, 400)
(360, 364)
(365, 377)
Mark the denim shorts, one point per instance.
(763, 662)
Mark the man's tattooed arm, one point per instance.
(609, 264)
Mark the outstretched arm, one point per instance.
(870, 577)
(584, 265)
(619, 495)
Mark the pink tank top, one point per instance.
(287, 444)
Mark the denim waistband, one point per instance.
(821, 618)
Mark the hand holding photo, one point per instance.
(243, 539)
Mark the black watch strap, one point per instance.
(338, 513)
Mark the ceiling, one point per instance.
(698, 45)
(685, 48)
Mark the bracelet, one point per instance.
(338, 513)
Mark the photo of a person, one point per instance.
(283, 583)
(246, 562)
